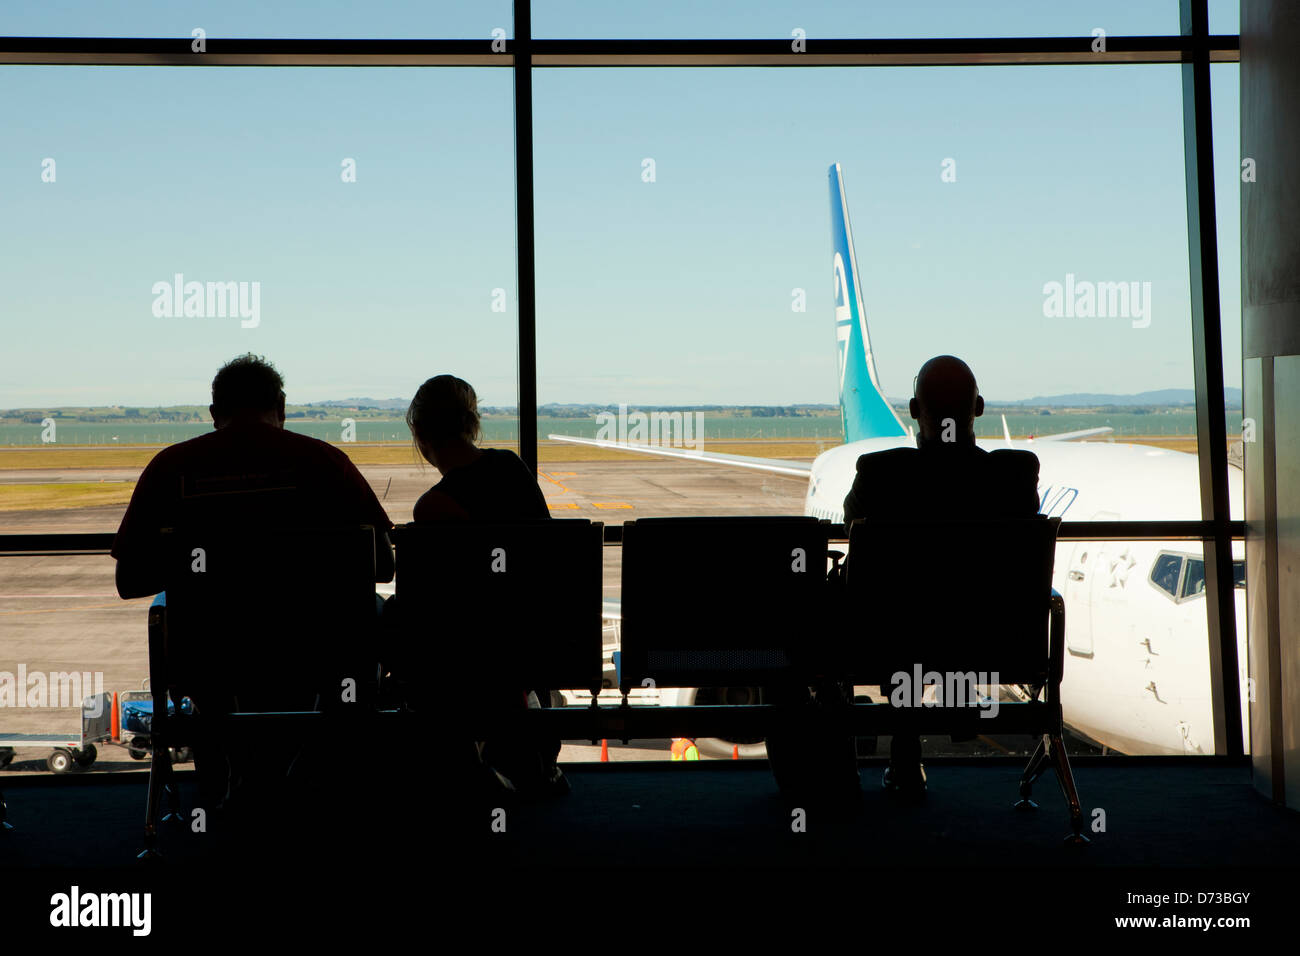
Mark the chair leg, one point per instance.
(1065, 776)
(173, 814)
(1032, 772)
(160, 781)
(150, 850)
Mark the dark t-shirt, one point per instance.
(497, 486)
(962, 482)
(248, 473)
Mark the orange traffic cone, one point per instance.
(604, 750)
(735, 751)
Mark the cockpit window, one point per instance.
(1194, 579)
(1169, 568)
(1164, 573)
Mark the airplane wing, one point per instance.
(1070, 436)
(775, 466)
(1062, 436)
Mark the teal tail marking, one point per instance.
(863, 409)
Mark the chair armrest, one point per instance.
(1056, 639)
(158, 678)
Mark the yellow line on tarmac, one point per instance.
(542, 474)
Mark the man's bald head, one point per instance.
(946, 402)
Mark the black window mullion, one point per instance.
(525, 238)
(1207, 359)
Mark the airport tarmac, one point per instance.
(60, 613)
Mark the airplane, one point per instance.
(1137, 672)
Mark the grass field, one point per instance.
(64, 494)
(83, 456)
(399, 453)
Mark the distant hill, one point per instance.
(1163, 396)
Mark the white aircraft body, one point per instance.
(1137, 670)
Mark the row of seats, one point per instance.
(706, 602)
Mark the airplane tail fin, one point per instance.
(863, 409)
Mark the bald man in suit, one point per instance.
(945, 476)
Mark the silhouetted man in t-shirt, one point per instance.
(249, 472)
(946, 476)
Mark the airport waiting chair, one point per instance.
(972, 603)
(259, 628)
(722, 602)
(488, 611)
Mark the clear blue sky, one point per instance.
(662, 293)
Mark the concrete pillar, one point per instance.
(1270, 317)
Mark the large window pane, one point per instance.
(365, 222)
(683, 224)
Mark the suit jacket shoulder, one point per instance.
(1013, 460)
(1014, 480)
(890, 458)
